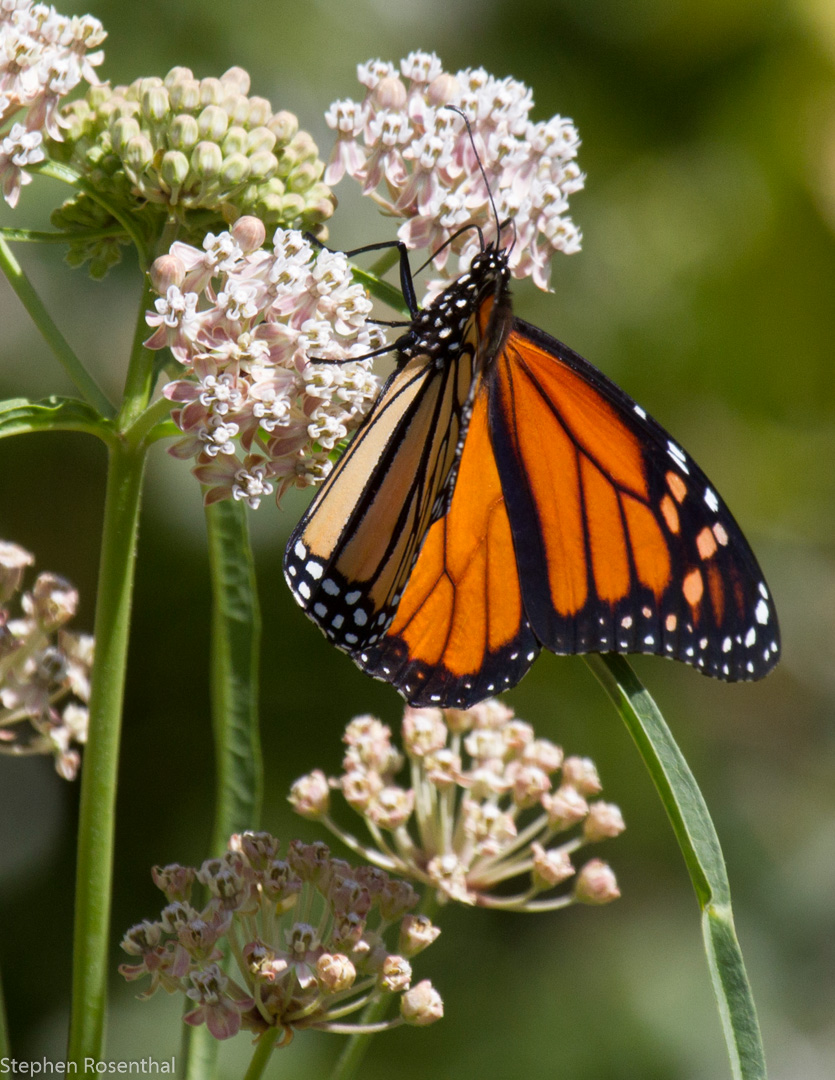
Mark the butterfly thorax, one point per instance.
(453, 320)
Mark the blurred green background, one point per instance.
(705, 288)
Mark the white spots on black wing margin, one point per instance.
(678, 456)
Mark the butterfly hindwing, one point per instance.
(622, 543)
(460, 632)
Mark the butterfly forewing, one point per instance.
(622, 543)
(351, 555)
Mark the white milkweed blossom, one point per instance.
(267, 338)
(43, 56)
(414, 157)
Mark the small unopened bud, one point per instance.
(184, 92)
(389, 93)
(213, 123)
(260, 111)
(166, 271)
(183, 132)
(442, 90)
(422, 1005)
(335, 972)
(235, 141)
(138, 155)
(550, 867)
(605, 820)
(581, 773)
(206, 160)
(155, 103)
(237, 77)
(212, 91)
(123, 130)
(303, 175)
(263, 165)
(249, 233)
(417, 932)
(283, 125)
(54, 601)
(395, 974)
(174, 169)
(310, 795)
(320, 202)
(260, 138)
(292, 207)
(596, 884)
(304, 147)
(564, 807)
(235, 170)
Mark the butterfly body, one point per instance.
(503, 494)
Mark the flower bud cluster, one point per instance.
(487, 801)
(414, 157)
(201, 150)
(267, 338)
(44, 668)
(307, 932)
(43, 56)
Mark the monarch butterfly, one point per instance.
(503, 494)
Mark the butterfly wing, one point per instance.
(621, 542)
(350, 556)
(460, 632)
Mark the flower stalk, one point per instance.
(96, 827)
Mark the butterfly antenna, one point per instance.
(462, 114)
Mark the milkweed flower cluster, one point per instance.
(43, 56)
(200, 151)
(307, 933)
(415, 158)
(488, 802)
(44, 668)
(258, 407)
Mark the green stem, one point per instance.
(702, 853)
(99, 774)
(262, 1055)
(139, 383)
(74, 368)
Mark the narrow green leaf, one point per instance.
(700, 846)
(236, 640)
(19, 416)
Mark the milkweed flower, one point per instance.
(266, 339)
(414, 157)
(488, 803)
(44, 668)
(307, 932)
(201, 152)
(43, 56)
